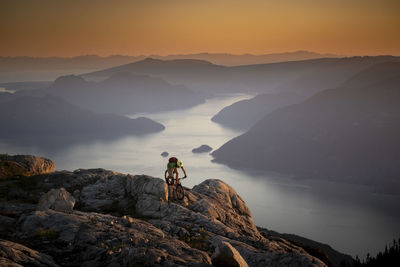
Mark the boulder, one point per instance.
(202, 149)
(57, 199)
(266, 252)
(221, 202)
(226, 255)
(25, 165)
(150, 195)
(105, 193)
(14, 254)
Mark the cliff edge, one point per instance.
(98, 217)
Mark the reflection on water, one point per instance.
(4, 90)
(349, 218)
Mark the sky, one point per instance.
(45, 28)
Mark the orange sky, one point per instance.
(70, 28)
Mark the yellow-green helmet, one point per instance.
(179, 164)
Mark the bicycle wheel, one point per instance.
(169, 180)
(180, 193)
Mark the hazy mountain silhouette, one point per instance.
(303, 77)
(122, 93)
(227, 59)
(93, 62)
(307, 77)
(245, 113)
(17, 69)
(86, 62)
(17, 86)
(169, 68)
(350, 133)
(39, 118)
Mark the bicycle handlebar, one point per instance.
(180, 178)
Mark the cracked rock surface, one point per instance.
(134, 220)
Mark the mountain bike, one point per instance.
(180, 193)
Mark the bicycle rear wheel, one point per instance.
(180, 193)
(169, 180)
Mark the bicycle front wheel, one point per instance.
(180, 193)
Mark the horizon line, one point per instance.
(195, 53)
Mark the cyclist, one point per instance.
(173, 165)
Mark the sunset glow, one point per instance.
(70, 28)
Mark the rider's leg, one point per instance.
(170, 171)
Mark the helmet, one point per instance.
(179, 163)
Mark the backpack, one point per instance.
(173, 160)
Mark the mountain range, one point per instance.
(121, 93)
(303, 77)
(349, 133)
(39, 119)
(92, 62)
(24, 68)
(244, 114)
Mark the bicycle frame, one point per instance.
(176, 182)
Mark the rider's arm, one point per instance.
(183, 169)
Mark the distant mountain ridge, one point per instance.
(163, 68)
(303, 77)
(23, 68)
(350, 133)
(121, 93)
(244, 114)
(227, 59)
(96, 62)
(41, 118)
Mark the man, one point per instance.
(173, 165)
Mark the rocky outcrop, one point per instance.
(149, 194)
(16, 255)
(322, 251)
(202, 149)
(130, 220)
(104, 240)
(24, 165)
(57, 199)
(226, 255)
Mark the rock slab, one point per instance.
(57, 199)
(25, 165)
(226, 255)
(14, 254)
